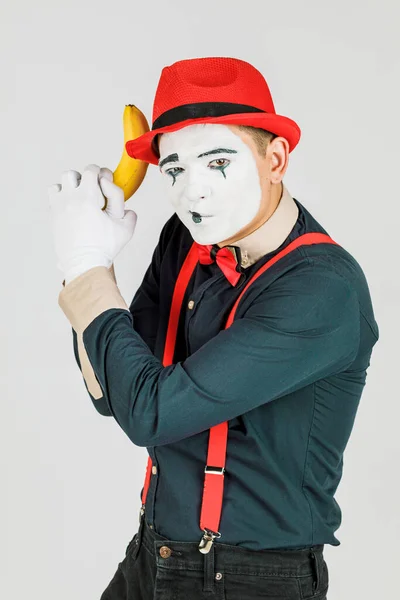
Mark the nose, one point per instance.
(196, 193)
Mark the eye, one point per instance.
(173, 171)
(221, 163)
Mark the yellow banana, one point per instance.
(130, 172)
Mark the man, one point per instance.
(249, 339)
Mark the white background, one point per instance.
(70, 478)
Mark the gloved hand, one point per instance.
(85, 236)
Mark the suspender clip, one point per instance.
(208, 537)
(207, 540)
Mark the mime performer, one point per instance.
(240, 361)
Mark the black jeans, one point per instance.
(155, 568)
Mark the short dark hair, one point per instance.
(154, 145)
(262, 138)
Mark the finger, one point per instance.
(53, 189)
(74, 177)
(70, 178)
(130, 219)
(107, 173)
(90, 176)
(127, 225)
(115, 198)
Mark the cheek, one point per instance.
(239, 178)
(174, 195)
(167, 188)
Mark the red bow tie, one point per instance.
(224, 258)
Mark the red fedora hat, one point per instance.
(214, 89)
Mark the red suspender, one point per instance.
(214, 486)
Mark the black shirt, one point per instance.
(287, 375)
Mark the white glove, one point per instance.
(85, 236)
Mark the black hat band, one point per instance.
(201, 109)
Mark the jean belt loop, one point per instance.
(139, 535)
(315, 557)
(209, 561)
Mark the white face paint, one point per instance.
(225, 185)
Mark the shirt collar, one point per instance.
(271, 234)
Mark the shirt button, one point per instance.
(154, 470)
(190, 304)
(165, 552)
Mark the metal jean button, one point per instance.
(165, 552)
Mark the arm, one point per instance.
(90, 380)
(303, 327)
(144, 307)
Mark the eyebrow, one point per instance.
(175, 158)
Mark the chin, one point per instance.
(204, 239)
(204, 233)
(201, 237)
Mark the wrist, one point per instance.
(84, 264)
